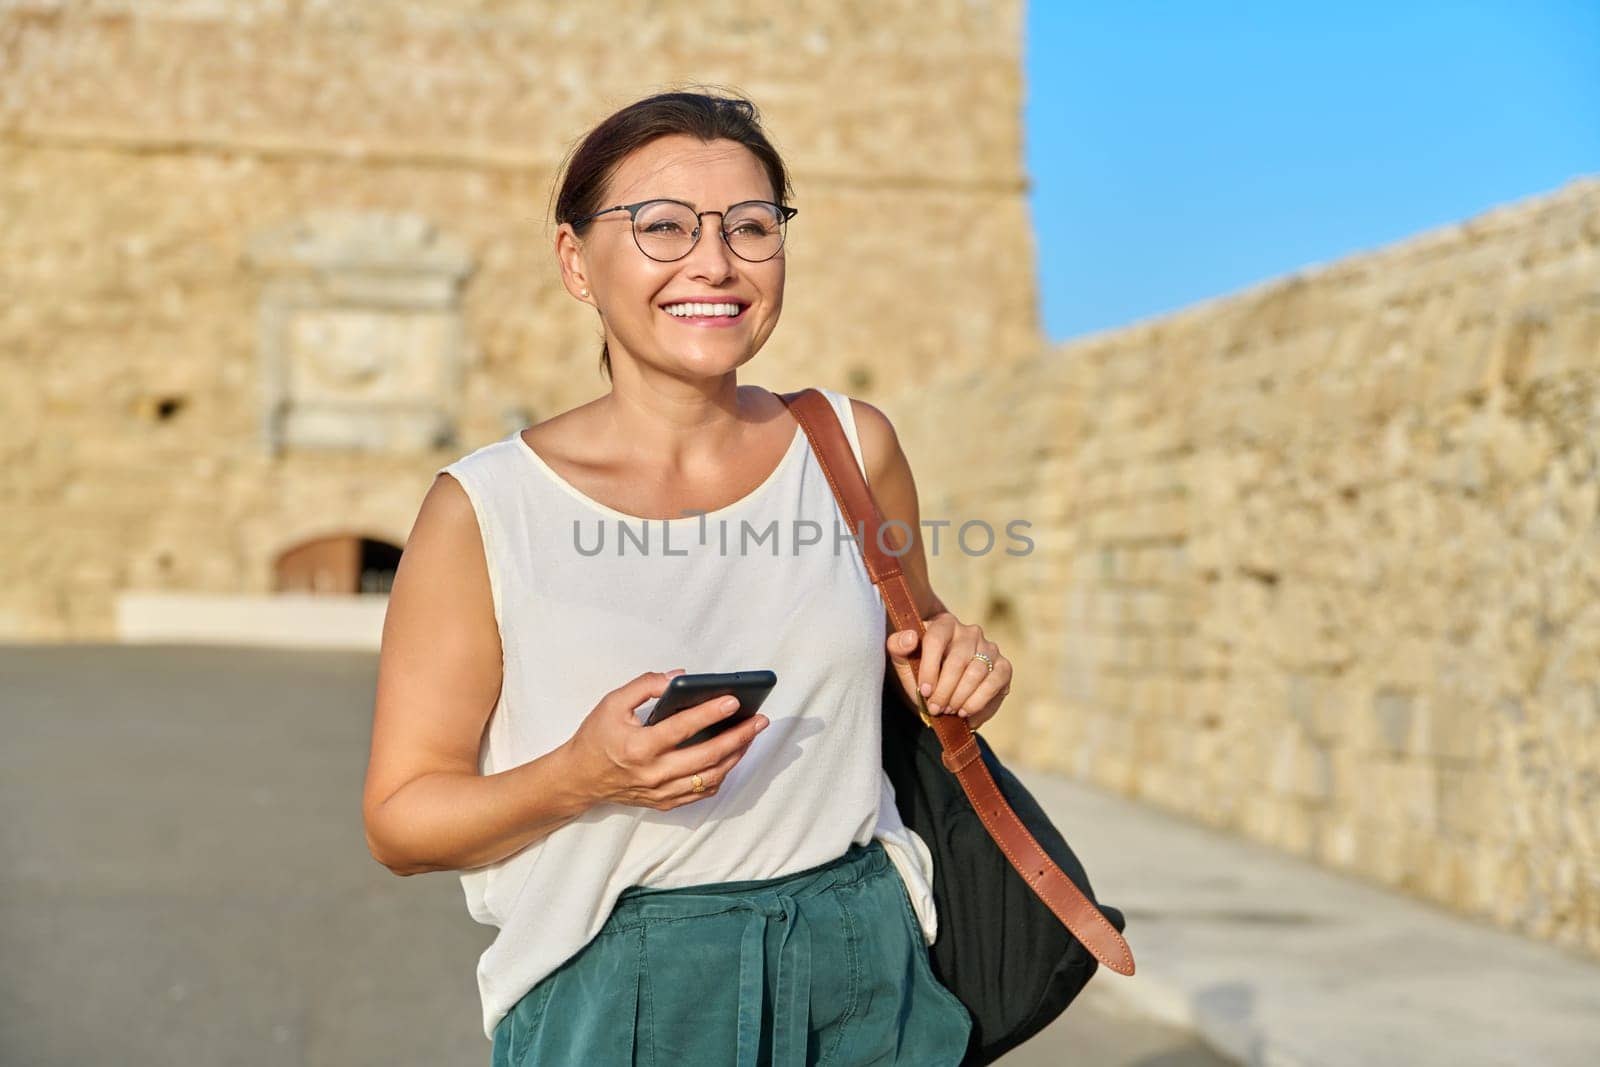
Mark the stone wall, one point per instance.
(212, 213)
(1319, 562)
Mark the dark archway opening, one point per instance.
(379, 560)
(343, 563)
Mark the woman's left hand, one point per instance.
(950, 676)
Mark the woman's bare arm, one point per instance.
(947, 651)
(425, 806)
(894, 489)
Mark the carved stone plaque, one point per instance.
(362, 343)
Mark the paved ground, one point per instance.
(186, 880)
(1278, 962)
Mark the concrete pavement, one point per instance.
(1276, 961)
(186, 880)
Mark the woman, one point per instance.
(752, 898)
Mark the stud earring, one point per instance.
(586, 292)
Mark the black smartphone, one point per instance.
(687, 690)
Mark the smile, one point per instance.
(706, 314)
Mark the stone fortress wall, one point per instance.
(1318, 562)
(1315, 563)
(213, 215)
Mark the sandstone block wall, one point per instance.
(145, 148)
(1319, 562)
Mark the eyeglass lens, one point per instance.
(665, 230)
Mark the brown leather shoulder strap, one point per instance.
(1076, 912)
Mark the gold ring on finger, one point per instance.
(698, 784)
(987, 662)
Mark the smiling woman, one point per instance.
(675, 141)
(754, 897)
(639, 262)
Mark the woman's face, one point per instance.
(630, 289)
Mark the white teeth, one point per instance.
(682, 310)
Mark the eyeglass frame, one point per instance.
(785, 213)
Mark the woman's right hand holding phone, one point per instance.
(618, 759)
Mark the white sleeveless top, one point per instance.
(586, 598)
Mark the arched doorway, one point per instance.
(337, 564)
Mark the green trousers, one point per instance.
(825, 966)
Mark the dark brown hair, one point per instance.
(708, 116)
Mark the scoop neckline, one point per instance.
(573, 491)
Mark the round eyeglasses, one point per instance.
(666, 230)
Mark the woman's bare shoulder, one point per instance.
(880, 446)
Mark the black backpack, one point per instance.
(1000, 950)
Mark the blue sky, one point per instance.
(1180, 151)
